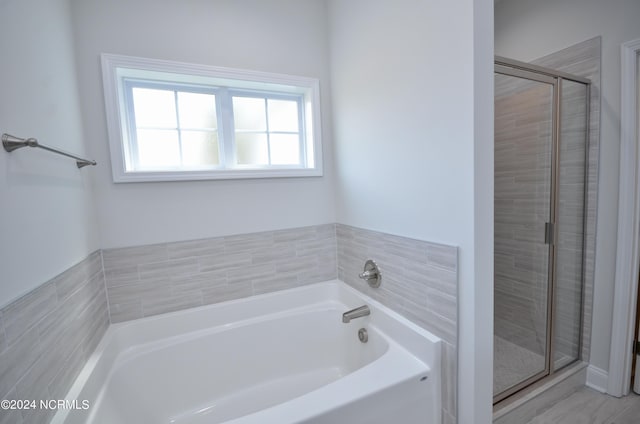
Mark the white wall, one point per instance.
(413, 82)
(413, 124)
(283, 36)
(46, 220)
(526, 30)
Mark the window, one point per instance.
(173, 121)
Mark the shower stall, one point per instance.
(541, 148)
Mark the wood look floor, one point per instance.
(587, 406)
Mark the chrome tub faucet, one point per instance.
(362, 311)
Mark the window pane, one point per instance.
(158, 148)
(197, 110)
(154, 108)
(249, 114)
(285, 149)
(252, 149)
(283, 115)
(199, 148)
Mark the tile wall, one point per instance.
(420, 281)
(571, 220)
(584, 59)
(522, 131)
(149, 280)
(47, 336)
(523, 146)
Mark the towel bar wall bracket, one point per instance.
(11, 143)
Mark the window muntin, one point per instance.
(268, 130)
(171, 126)
(172, 121)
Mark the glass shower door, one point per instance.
(572, 159)
(524, 145)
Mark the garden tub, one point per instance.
(283, 357)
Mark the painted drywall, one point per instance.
(415, 87)
(412, 92)
(46, 222)
(526, 30)
(282, 36)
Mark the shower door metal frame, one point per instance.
(541, 70)
(554, 78)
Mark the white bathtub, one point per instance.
(280, 358)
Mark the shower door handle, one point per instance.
(548, 232)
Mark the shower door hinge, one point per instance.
(548, 233)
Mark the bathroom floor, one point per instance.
(586, 406)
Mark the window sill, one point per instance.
(238, 174)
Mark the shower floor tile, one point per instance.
(513, 364)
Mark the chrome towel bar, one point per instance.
(11, 143)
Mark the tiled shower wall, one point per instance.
(47, 336)
(519, 308)
(571, 219)
(522, 202)
(584, 59)
(419, 281)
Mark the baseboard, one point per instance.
(597, 378)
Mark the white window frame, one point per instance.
(117, 69)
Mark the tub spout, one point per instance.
(362, 311)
